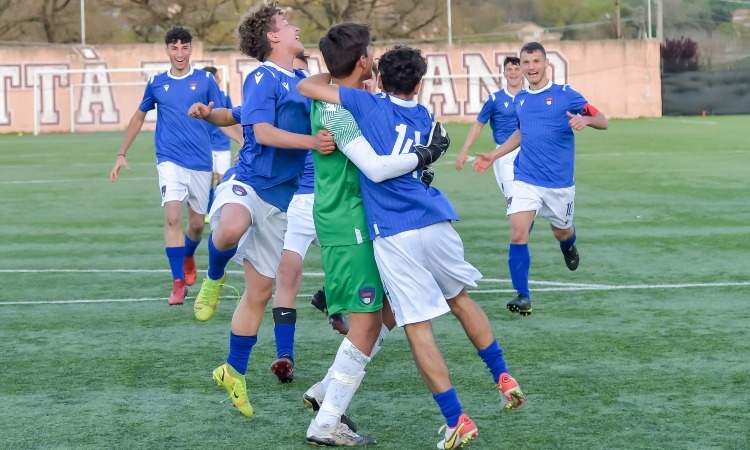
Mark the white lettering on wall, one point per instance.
(482, 80)
(96, 93)
(10, 77)
(47, 84)
(438, 88)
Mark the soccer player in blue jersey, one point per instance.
(499, 111)
(276, 124)
(221, 137)
(547, 113)
(183, 154)
(418, 253)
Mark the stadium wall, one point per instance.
(621, 78)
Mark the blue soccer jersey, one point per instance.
(307, 183)
(499, 111)
(269, 95)
(393, 126)
(219, 140)
(547, 157)
(179, 138)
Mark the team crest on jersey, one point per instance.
(164, 190)
(193, 85)
(166, 88)
(549, 100)
(239, 190)
(367, 295)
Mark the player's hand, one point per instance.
(461, 160)
(482, 163)
(119, 162)
(200, 111)
(324, 143)
(428, 174)
(577, 121)
(436, 146)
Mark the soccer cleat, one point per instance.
(510, 393)
(338, 435)
(571, 258)
(455, 437)
(179, 292)
(521, 305)
(319, 301)
(339, 323)
(313, 398)
(191, 272)
(283, 368)
(236, 386)
(208, 298)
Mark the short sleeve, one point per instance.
(259, 98)
(148, 102)
(487, 109)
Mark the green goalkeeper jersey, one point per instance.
(338, 211)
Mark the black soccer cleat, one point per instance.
(521, 305)
(571, 258)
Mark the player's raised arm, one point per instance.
(319, 87)
(485, 160)
(591, 117)
(268, 134)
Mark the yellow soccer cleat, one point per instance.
(236, 386)
(208, 298)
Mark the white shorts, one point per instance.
(222, 161)
(178, 183)
(263, 241)
(503, 168)
(555, 205)
(421, 269)
(300, 230)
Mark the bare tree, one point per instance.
(389, 19)
(38, 20)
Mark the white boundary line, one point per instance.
(553, 286)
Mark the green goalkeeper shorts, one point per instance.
(352, 278)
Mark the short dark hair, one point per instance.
(252, 30)
(401, 69)
(532, 47)
(178, 34)
(211, 69)
(514, 60)
(343, 45)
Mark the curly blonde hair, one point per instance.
(253, 27)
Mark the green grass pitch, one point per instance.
(645, 346)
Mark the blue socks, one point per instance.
(449, 406)
(239, 351)
(285, 320)
(176, 256)
(218, 260)
(565, 245)
(190, 246)
(519, 263)
(493, 358)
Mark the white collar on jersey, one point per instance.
(279, 68)
(538, 91)
(190, 72)
(505, 89)
(402, 102)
